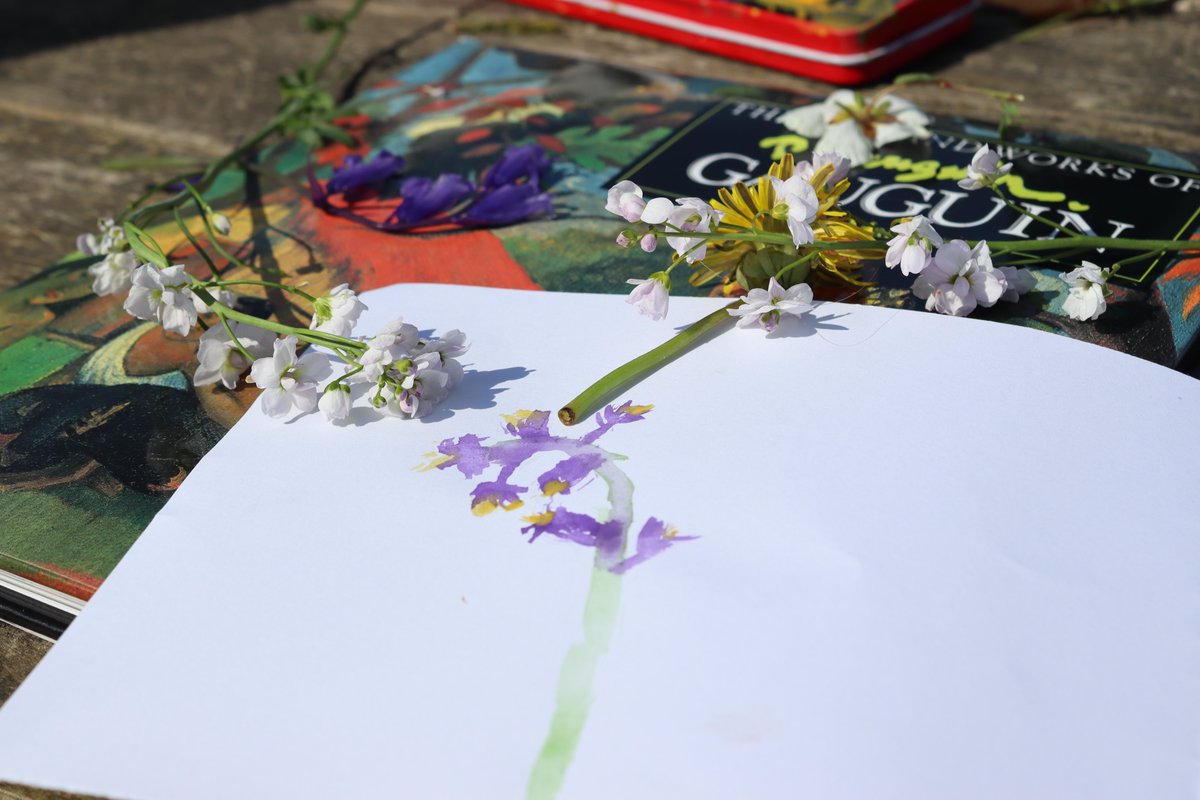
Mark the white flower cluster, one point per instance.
(686, 215)
(952, 277)
(408, 375)
(112, 274)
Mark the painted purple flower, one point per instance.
(467, 454)
(529, 425)
(519, 164)
(655, 537)
(357, 174)
(578, 528)
(507, 204)
(490, 495)
(568, 473)
(425, 199)
(582, 460)
(611, 416)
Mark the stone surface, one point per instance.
(78, 86)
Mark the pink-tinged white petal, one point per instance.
(649, 297)
(657, 211)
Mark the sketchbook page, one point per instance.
(879, 554)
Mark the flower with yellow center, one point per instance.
(756, 207)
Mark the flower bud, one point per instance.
(649, 242)
(220, 223)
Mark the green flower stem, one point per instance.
(1090, 242)
(342, 379)
(1026, 212)
(144, 216)
(212, 265)
(273, 284)
(630, 373)
(798, 262)
(339, 343)
(205, 210)
(236, 341)
(335, 41)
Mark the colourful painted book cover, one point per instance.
(100, 421)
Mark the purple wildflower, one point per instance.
(654, 538)
(521, 164)
(507, 204)
(424, 199)
(357, 174)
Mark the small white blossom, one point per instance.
(112, 275)
(848, 124)
(910, 248)
(1088, 296)
(625, 200)
(691, 215)
(1019, 282)
(959, 279)
(395, 340)
(287, 381)
(764, 307)
(451, 344)
(221, 224)
(650, 297)
(337, 312)
(411, 387)
(657, 211)
(984, 170)
(335, 402)
(841, 168)
(111, 239)
(796, 198)
(220, 359)
(165, 295)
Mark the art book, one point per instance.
(877, 553)
(101, 423)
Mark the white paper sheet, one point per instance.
(936, 558)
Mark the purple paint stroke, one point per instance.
(609, 417)
(570, 471)
(467, 454)
(654, 538)
(581, 529)
(583, 461)
(499, 493)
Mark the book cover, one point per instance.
(100, 423)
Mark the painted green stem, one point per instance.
(628, 374)
(575, 679)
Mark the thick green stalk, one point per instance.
(630, 373)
